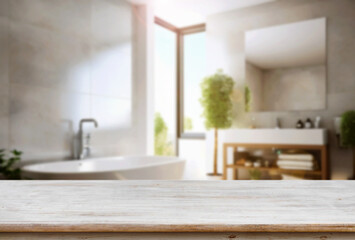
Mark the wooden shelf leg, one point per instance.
(224, 177)
(324, 163)
(235, 174)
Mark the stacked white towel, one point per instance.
(299, 161)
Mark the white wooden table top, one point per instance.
(177, 206)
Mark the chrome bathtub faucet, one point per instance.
(85, 148)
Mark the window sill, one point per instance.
(196, 136)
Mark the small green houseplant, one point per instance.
(255, 174)
(347, 131)
(247, 98)
(217, 106)
(7, 168)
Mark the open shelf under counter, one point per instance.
(322, 173)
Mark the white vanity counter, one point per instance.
(225, 208)
(290, 136)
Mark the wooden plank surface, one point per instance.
(177, 206)
(177, 236)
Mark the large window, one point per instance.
(165, 77)
(180, 66)
(193, 71)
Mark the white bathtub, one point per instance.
(120, 168)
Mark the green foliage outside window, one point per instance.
(162, 145)
(188, 125)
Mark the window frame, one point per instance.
(180, 33)
(160, 22)
(183, 32)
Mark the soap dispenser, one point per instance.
(299, 124)
(308, 123)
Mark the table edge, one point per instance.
(191, 228)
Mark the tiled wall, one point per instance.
(299, 88)
(61, 61)
(225, 43)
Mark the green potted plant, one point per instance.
(347, 132)
(247, 98)
(217, 106)
(7, 164)
(255, 174)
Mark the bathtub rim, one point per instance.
(176, 159)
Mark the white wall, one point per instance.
(62, 61)
(144, 83)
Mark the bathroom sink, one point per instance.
(113, 168)
(275, 136)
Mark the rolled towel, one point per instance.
(295, 163)
(304, 157)
(290, 177)
(297, 168)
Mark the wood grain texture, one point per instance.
(177, 236)
(177, 206)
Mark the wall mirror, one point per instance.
(286, 66)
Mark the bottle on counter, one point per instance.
(308, 123)
(299, 124)
(317, 122)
